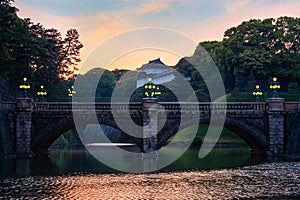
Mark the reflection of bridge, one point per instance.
(261, 125)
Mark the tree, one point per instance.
(259, 49)
(15, 52)
(29, 49)
(69, 56)
(286, 48)
(89, 84)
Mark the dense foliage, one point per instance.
(31, 50)
(91, 85)
(252, 53)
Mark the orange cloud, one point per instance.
(95, 36)
(234, 5)
(93, 29)
(49, 21)
(153, 6)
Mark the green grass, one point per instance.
(227, 136)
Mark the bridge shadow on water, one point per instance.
(230, 152)
(80, 161)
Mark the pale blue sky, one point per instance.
(76, 7)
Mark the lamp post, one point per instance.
(151, 90)
(24, 86)
(257, 93)
(42, 94)
(71, 92)
(275, 86)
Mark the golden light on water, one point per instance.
(253, 182)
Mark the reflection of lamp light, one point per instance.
(275, 86)
(257, 93)
(24, 86)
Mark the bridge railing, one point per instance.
(69, 106)
(56, 106)
(215, 106)
(291, 106)
(203, 106)
(8, 106)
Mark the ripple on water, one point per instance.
(276, 180)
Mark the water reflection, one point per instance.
(266, 181)
(75, 174)
(60, 162)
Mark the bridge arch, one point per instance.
(251, 135)
(255, 138)
(44, 138)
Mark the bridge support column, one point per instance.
(23, 127)
(149, 140)
(276, 126)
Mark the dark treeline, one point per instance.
(28, 49)
(252, 53)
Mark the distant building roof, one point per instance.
(157, 63)
(157, 70)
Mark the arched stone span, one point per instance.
(260, 124)
(251, 135)
(45, 137)
(255, 138)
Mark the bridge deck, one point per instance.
(66, 106)
(105, 106)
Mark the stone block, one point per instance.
(275, 104)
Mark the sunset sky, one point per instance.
(99, 20)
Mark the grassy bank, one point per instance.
(227, 138)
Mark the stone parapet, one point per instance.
(275, 105)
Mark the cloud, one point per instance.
(93, 28)
(233, 5)
(201, 20)
(154, 7)
(48, 20)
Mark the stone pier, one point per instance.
(149, 125)
(275, 111)
(24, 107)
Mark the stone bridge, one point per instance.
(261, 125)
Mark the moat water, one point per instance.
(226, 173)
